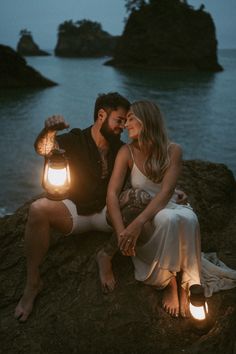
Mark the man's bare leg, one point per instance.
(43, 215)
(170, 300)
(107, 278)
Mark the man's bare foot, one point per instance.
(170, 300)
(184, 302)
(105, 271)
(25, 305)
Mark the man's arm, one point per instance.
(46, 140)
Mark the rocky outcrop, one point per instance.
(15, 73)
(71, 313)
(84, 39)
(27, 47)
(168, 34)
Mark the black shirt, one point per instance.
(88, 188)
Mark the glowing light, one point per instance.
(198, 312)
(57, 177)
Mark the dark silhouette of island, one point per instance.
(27, 47)
(167, 34)
(84, 38)
(15, 73)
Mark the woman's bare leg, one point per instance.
(170, 299)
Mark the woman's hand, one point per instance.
(128, 238)
(182, 197)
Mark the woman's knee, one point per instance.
(191, 219)
(165, 217)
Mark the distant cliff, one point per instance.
(168, 34)
(84, 39)
(15, 73)
(27, 47)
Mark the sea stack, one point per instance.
(168, 34)
(15, 73)
(27, 47)
(84, 38)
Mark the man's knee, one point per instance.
(39, 209)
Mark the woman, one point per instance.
(164, 239)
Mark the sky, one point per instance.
(42, 18)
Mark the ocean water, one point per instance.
(199, 108)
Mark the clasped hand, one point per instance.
(128, 238)
(56, 122)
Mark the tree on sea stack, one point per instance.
(132, 5)
(24, 32)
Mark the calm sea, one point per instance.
(200, 111)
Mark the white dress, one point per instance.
(174, 243)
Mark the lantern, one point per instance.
(56, 175)
(198, 305)
(199, 309)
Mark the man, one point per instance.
(91, 153)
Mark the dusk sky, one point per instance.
(43, 17)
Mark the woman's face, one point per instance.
(133, 125)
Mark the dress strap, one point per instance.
(131, 152)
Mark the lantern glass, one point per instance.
(56, 178)
(198, 312)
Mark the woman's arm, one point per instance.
(131, 233)
(115, 187)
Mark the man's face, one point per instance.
(114, 124)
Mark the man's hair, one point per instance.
(111, 101)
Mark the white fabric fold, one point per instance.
(215, 275)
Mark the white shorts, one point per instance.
(84, 223)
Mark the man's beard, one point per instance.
(108, 134)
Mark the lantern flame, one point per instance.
(198, 312)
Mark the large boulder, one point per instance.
(27, 47)
(168, 34)
(15, 73)
(84, 39)
(71, 315)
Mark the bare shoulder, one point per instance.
(175, 150)
(124, 151)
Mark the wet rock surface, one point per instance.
(72, 315)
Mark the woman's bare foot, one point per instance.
(105, 271)
(184, 302)
(26, 303)
(170, 300)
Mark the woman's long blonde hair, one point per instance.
(153, 140)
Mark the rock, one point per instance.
(84, 39)
(27, 47)
(15, 73)
(72, 315)
(168, 34)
